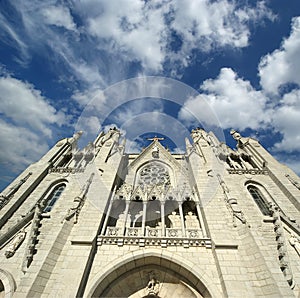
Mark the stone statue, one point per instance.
(89, 152)
(74, 140)
(191, 221)
(155, 152)
(121, 220)
(107, 136)
(175, 220)
(16, 242)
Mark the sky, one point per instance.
(69, 65)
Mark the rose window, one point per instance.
(154, 174)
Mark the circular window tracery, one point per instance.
(154, 173)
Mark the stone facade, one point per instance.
(99, 222)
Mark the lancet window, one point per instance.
(54, 196)
(259, 199)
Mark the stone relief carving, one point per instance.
(15, 244)
(232, 204)
(293, 181)
(4, 199)
(237, 212)
(107, 136)
(78, 202)
(199, 133)
(295, 242)
(153, 286)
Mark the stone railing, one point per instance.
(154, 237)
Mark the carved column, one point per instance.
(162, 213)
(106, 218)
(201, 220)
(181, 218)
(125, 217)
(231, 162)
(144, 217)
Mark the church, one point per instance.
(102, 222)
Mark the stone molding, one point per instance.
(248, 171)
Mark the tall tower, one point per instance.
(100, 222)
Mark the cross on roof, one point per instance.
(155, 138)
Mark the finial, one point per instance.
(235, 134)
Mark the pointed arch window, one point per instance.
(259, 199)
(54, 196)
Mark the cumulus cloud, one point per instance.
(144, 31)
(234, 101)
(98, 45)
(135, 29)
(286, 120)
(209, 24)
(22, 104)
(282, 66)
(26, 125)
(237, 104)
(19, 146)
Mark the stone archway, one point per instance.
(149, 281)
(7, 284)
(151, 276)
(2, 290)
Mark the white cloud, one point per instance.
(136, 30)
(59, 16)
(11, 36)
(235, 102)
(26, 125)
(89, 95)
(24, 105)
(19, 146)
(106, 36)
(282, 66)
(139, 30)
(286, 120)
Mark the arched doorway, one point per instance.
(150, 276)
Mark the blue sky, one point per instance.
(242, 57)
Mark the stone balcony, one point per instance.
(154, 237)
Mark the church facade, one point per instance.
(100, 222)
